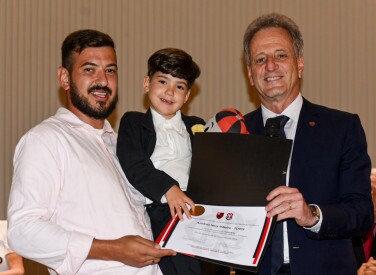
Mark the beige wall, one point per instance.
(340, 49)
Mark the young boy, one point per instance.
(154, 148)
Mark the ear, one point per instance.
(250, 75)
(300, 66)
(187, 96)
(63, 78)
(146, 83)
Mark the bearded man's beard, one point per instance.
(82, 103)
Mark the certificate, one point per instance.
(235, 235)
(230, 177)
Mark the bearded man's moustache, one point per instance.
(101, 88)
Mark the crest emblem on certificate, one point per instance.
(220, 215)
(229, 216)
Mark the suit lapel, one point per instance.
(148, 134)
(254, 122)
(147, 121)
(308, 125)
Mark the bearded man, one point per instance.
(71, 208)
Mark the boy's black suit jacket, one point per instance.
(135, 145)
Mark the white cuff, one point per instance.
(316, 228)
(78, 249)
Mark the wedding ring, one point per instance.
(290, 205)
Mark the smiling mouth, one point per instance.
(166, 101)
(100, 91)
(99, 94)
(273, 78)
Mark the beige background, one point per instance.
(340, 47)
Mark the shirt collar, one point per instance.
(72, 120)
(292, 111)
(175, 122)
(158, 119)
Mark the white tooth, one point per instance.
(99, 94)
(272, 78)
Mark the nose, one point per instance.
(101, 79)
(271, 64)
(170, 90)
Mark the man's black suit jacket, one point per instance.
(135, 145)
(331, 168)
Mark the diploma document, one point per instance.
(230, 177)
(235, 234)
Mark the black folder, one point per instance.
(237, 170)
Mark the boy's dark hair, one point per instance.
(175, 62)
(79, 40)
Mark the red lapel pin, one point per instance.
(312, 123)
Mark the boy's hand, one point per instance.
(177, 201)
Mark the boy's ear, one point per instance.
(63, 78)
(146, 83)
(187, 96)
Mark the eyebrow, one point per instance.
(163, 75)
(276, 51)
(185, 82)
(95, 65)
